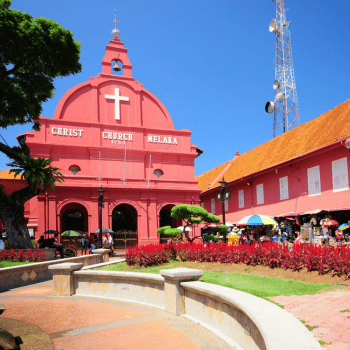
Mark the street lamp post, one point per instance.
(224, 196)
(100, 205)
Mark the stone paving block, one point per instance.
(340, 328)
(319, 331)
(345, 338)
(339, 346)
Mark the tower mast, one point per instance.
(285, 106)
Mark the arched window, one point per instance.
(158, 173)
(74, 169)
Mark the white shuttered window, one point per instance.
(340, 175)
(314, 181)
(241, 199)
(260, 194)
(212, 206)
(226, 205)
(284, 193)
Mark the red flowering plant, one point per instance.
(314, 258)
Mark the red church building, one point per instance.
(111, 132)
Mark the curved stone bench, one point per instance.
(242, 320)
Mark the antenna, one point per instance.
(285, 106)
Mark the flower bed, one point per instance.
(335, 261)
(29, 255)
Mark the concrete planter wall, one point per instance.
(18, 276)
(242, 320)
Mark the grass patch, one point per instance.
(345, 310)
(259, 286)
(4, 264)
(307, 326)
(322, 342)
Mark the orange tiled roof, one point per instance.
(5, 174)
(324, 130)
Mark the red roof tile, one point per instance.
(322, 131)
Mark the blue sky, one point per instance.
(210, 62)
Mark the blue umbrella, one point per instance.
(51, 232)
(104, 230)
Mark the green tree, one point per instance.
(192, 215)
(168, 231)
(33, 52)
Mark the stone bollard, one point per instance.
(63, 280)
(174, 293)
(103, 252)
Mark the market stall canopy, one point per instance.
(104, 230)
(256, 220)
(70, 234)
(312, 212)
(286, 214)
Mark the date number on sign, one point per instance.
(118, 142)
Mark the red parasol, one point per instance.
(329, 222)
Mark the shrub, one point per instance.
(12, 255)
(20, 256)
(335, 261)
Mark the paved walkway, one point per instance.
(324, 313)
(46, 322)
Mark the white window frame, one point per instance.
(202, 204)
(284, 190)
(212, 205)
(260, 194)
(314, 181)
(340, 173)
(226, 205)
(241, 199)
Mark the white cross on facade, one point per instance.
(117, 99)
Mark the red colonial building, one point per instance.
(305, 170)
(111, 132)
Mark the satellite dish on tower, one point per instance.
(347, 143)
(276, 84)
(280, 97)
(269, 107)
(274, 28)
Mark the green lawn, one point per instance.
(4, 264)
(259, 286)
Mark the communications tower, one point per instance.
(285, 106)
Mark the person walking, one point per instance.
(84, 245)
(91, 243)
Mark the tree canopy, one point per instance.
(32, 53)
(192, 215)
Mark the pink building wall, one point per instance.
(299, 200)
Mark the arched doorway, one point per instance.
(74, 216)
(165, 218)
(124, 224)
